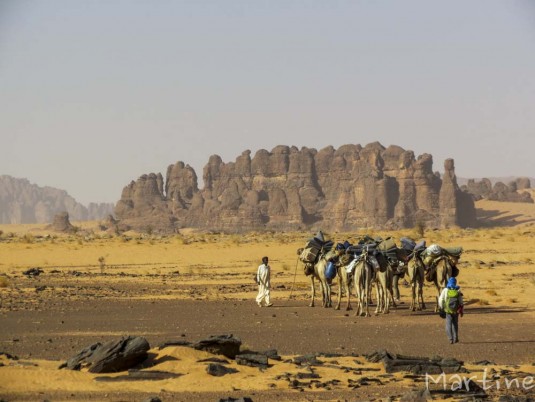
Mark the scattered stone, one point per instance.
(417, 396)
(244, 399)
(252, 360)
(416, 365)
(213, 360)
(33, 272)
(110, 357)
(9, 356)
(309, 359)
(226, 345)
(484, 363)
(152, 399)
(303, 376)
(219, 370)
(272, 354)
(139, 375)
(40, 288)
(179, 342)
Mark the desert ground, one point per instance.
(97, 286)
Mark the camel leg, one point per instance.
(339, 291)
(379, 301)
(347, 287)
(413, 298)
(326, 295)
(313, 290)
(421, 295)
(387, 293)
(438, 295)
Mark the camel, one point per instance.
(362, 279)
(344, 280)
(319, 274)
(439, 275)
(416, 273)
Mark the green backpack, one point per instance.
(452, 301)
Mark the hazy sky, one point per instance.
(94, 94)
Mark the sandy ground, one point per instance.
(193, 285)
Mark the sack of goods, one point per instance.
(330, 270)
(431, 253)
(314, 247)
(454, 251)
(407, 244)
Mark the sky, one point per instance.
(93, 94)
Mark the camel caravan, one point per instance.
(377, 262)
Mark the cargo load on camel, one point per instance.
(314, 248)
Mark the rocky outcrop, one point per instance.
(291, 189)
(62, 224)
(23, 202)
(511, 192)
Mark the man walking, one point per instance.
(451, 302)
(263, 279)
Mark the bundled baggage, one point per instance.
(330, 270)
(314, 248)
(432, 253)
(407, 244)
(388, 248)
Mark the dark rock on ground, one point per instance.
(152, 399)
(252, 360)
(33, 272)
(310, 360)
(226, 345)
(110, 357)
(484, 363)
(213, 360)
(179, 342)
(416, 365)
(140, 375)
(218, 370)
(272, 354)
(417, 396)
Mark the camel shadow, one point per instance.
(493, 218)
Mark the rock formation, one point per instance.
(290, 189)
(511, 192)
(62, 224)
(23, 202)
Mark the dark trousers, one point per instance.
(452, 327)
(395, 286)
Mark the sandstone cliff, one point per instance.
(23, 202)
(290, 189)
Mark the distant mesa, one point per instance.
(287, 188)
(23, 202)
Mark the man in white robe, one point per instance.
(263, 279)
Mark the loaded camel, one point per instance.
(317, 271)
